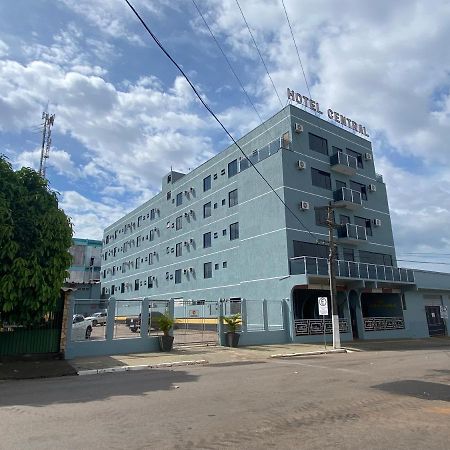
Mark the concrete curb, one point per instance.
(320, 352)
(198, 362)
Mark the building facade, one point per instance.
(84, 273)
(221, 232)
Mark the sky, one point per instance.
(124, 116)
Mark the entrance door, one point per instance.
(436, 325)
(354, 321)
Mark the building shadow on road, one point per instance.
(425, 390)
(90, 388)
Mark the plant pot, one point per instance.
(165, 343)
(232, 339)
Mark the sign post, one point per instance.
(323, 311)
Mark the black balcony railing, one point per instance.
(351, 232)
(346, 162)
(347, 196)
(348, 269)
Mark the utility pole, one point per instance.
(331, 267)
(46, 140)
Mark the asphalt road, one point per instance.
(371, 400)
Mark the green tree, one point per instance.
(35, 236)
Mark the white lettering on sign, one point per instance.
(332, 115)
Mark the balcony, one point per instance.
(342, 163)
(347, 198)
(348, 269)
(352, 234)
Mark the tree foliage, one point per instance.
(35, 236)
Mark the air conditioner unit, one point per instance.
(157, 210)
(298, 128)
(191, 240)
(191, 212)
(186, 192)
(304, 205)
(185, 271)
(192, 189)
(173, 225)
(171, 276)
(368, 156)
(377, 222)
(301, 165)
(191, 269)
(372, 188)
(168, 225)
(186, 243)
(186, 214)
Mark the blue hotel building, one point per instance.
(220, 232)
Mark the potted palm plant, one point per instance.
(165, 323)
(232, 336)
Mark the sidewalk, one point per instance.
(199, 356)
(191, 356)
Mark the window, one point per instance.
(233, 198)
(207, 240)
(207, 210)
(361, 221)
(150, 259)
(234, 231)
(136, 285)
(138, 241)
(321, 217)
(122, 288)
(215, 205)
(177, 276)
(113, 289)
(179, 223)
(152, 214)
(358, 157)
(216, 266)
(360, 188)
(179, 199)
(169, 195)
(318, 144)
(207, 183)
(152, 235)
(138, 263)
(139, 221)
(150, 282)
(340, 185)
(310, 249)
(223, 202)
(207, 270)
(344, 219)
(348, 254)
(232, 168)
(375, 258)
(178, 249)
(224, 232)
(224, 264)
(321, 179)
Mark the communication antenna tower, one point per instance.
(46, 140)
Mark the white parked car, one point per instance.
(81, 328)
(98, 318)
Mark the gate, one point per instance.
(436, 325)
(42, 337)
(196, 322)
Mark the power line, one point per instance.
(296, 49)
(260, 55)
(228, 61)
(424, 262)
(213, 114)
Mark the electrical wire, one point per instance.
(424, 262)
(159, 44)
(259, 53)
(228, 61)
(296, 48)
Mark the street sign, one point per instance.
(323, 306)
(444, 312)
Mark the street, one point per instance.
(376, 399)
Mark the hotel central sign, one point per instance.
(332, 115)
